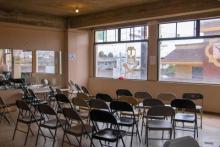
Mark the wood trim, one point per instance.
(33, 19)
(151, 11)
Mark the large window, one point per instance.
(22, 63)
(122, 52)
(190, 51)
(45, 61)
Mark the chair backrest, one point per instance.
(51, 89)
(192, 96)
(58, 91)
(166, 97)
(102, 116)
(82, 95)
(46, 109)
(129, 99)
(186, 141)
(152, 102)
(70, 113)
(80, 102)
(183, 104)
(143, 95)
(98, 104)
(44, 82)
(62, 98)
(32, 93)
(161, 111)
(121, 106)
(22, 105)
(123, 92)
(104, 97)
(85, 90)
(78, 88)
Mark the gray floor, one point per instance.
(209, 136)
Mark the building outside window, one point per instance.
(45, 61)
(121, 52)
(190, 51)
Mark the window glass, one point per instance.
(167, 30)
(111, 35)
(99, 36)
(126, 34)
(22, 63)
(210, 27)
(45, 61)
(127, 60)
(5, 63)
(186, 29)
(139, 33)
(191, 60)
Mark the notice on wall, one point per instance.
(72, 56)
(152, 60)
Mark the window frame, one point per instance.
(55, 68)
(197, 36)
(145, 40)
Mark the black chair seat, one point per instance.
(52, 124)
(110, 135)
(126, 121)
(28, 120)
(154, 117)
(78, 130)
(183, 117)
(159, 124)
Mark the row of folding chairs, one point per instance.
(47, 117)
(167, 98)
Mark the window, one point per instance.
(5, 63)
(177, 30)
(195, 59)
(126, 57)
(22, 63)
(45, 61)
(110, 35)
(210, 27)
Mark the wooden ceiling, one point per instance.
(66, 7)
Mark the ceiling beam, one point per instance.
(32, 19)
(150, 11)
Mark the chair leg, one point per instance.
(37, 135)
(142, 125)
(174, 130)
(146, 138)
(132, 134)
(54, 137)
(91, 144)
(171, 134)
(117, 143)
(123, 142)
(16, 125)
(201, 114)
(137, 130)
(27, 134)
(63, 139)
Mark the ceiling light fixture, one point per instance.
(77, 10)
